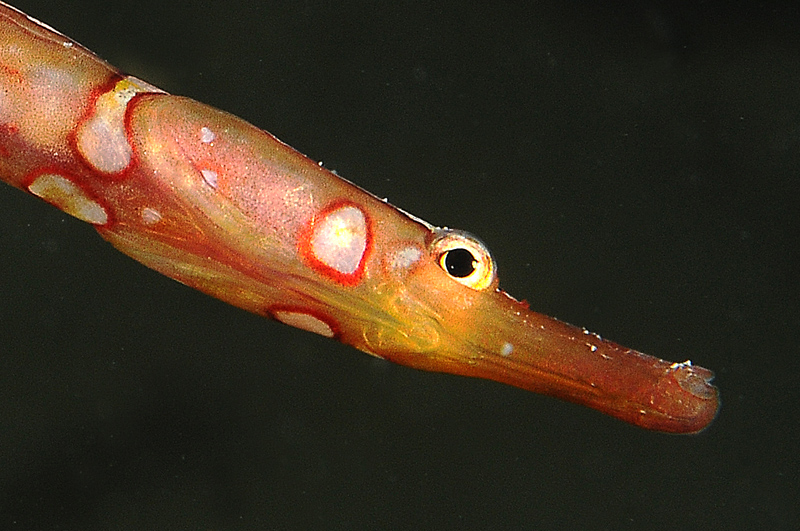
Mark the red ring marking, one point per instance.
(307, 233)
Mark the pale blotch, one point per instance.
(207, 135)
(43, 120)
(405, 258)
(506, 349)
(102, 138)
(150, 216)
(304, 321)
(340, 239)
(210, 177)
(66, 195)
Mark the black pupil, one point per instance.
(459, 262)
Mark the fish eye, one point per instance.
(464, 258)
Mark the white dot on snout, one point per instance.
(506, 349)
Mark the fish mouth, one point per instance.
(515, 346)
(634, 387)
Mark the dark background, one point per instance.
(632, 165)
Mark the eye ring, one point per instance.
(464, 258)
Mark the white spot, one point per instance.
(150, 216)
(340, 239)
(207, 135)
(679, 365)
(70, 198)
(304, 321)
(406, 257)
(210, 177)
(102, 139)
(506, 349)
